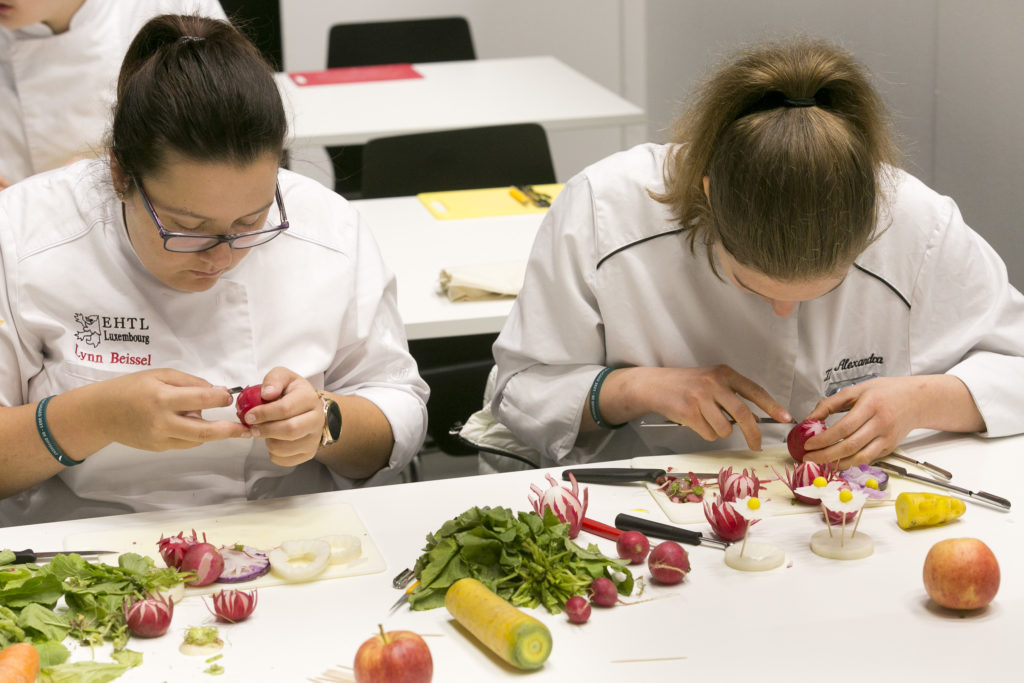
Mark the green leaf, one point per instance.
(6, 557)
(40, 622)
(40, 588)
(51, 653)
(129, 658)
(82, 672)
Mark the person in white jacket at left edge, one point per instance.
(58, 66)
(135, 290)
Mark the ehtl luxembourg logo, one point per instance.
(90, 332)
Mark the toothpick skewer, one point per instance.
(861, 514)
(828, 523)
(745, 532)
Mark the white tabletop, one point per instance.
(416, 246)
(482, 92)
(811, 619)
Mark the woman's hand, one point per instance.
(883, 411)
(291, 419)
(703, 399)
(160, 409)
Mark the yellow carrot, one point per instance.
(19, 663)
(516, 637)
(926, 509)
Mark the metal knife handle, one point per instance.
(613, 475)
(944, 473)
(994, 499)
(657, 529)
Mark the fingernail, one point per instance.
(254, 431)
(250, 418)
(269, 389)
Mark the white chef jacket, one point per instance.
(612, 282)
(56, 91)
(78, 306)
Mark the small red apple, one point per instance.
(799, 435)
(961, 573)
(393, 657)
(249, 398)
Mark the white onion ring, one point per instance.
(300, 560)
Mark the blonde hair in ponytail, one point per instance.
(796, 145)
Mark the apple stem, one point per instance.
(383, 635)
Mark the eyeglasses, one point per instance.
(185, 243)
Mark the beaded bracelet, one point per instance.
(44, 433)
(595, 391)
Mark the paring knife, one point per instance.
(982, 496)
(666, 531)
(30, 556)
(626, 475)
(669, 423)
(945, 474)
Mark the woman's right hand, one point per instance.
(702, 399)
(160, 409)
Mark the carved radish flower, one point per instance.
(804, 475)
(564, 503)
(734, 485)
(233, 605)
(726, 521)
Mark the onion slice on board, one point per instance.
(303, 560)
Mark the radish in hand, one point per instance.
(247, 400)
(799, 435)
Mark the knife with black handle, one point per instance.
(625, 475)
(666, 531)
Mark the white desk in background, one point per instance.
(482, 92)
(811, 619)
(416, 246)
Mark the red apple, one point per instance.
(961, 573)
(249, 398)
(798, 436)
(393, 657)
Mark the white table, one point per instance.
(812, 619)
(481, 92)
(416, 246)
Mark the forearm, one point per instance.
(618, 401)
(947, 405)
(366, 440)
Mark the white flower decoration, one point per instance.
(751, 508)
(819, 488)
(844, 501)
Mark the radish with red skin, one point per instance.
(633, 546)
(603, 592)
(148, 617)
(799, 435)
(248, 399)
(577, 609)
(205, 561)
(668, 563)
(233, 605)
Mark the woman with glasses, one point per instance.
(135, 290)
(772, 261)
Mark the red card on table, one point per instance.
(355, 74)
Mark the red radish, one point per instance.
(798, 436)
(148, 617)
(205, 561)
(577, 609)
(233, 605)
(173, 548)
(603, 591)
(247, 400)
(668, 563)
(632, 546)
(564, 503)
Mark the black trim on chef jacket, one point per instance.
(884, 282)
(633, 244)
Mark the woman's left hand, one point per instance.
(290, 420)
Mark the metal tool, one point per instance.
(403, 578)
(235, 390)
(669, 423)
(626, 475)
(666, 531)
(945, 474)
(404, 599)
(981, 496)
(539, 199)
(30, 556)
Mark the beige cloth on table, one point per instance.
(483, 281)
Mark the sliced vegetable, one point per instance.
(926, 509)
(577, 609)
(805, 474)
(173, 548)
(733, 485)
(563, 502)
(19, 663)
(866, 476)
(516, 637)
(300, 560)
(684, 489)
(201, 640)
(205, 562)
(726, 522)
(233, 605)
(344, 547)
(148, 617)
(242, 563)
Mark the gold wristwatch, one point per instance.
(332, 420)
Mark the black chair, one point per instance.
(435, 39)
(462, 159)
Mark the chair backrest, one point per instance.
(461, 159)
(434, 39)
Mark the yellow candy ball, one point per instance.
(753, 503)
(872, 484)
(845, 495)
(819, 482)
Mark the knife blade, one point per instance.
(982, 496)
(670, 423)
(404, 599)
(666, 531)
(29, 556)
(625, 475)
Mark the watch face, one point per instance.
(333, 420)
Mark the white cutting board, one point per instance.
(264, 524)
(761, 463)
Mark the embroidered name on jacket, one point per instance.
(849, 371)
(94, 329)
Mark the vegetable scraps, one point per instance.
(524, 558)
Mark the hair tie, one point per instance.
(799, 102)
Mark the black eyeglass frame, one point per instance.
(215, 240)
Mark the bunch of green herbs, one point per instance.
(527, 559)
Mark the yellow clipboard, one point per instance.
(491, 201)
